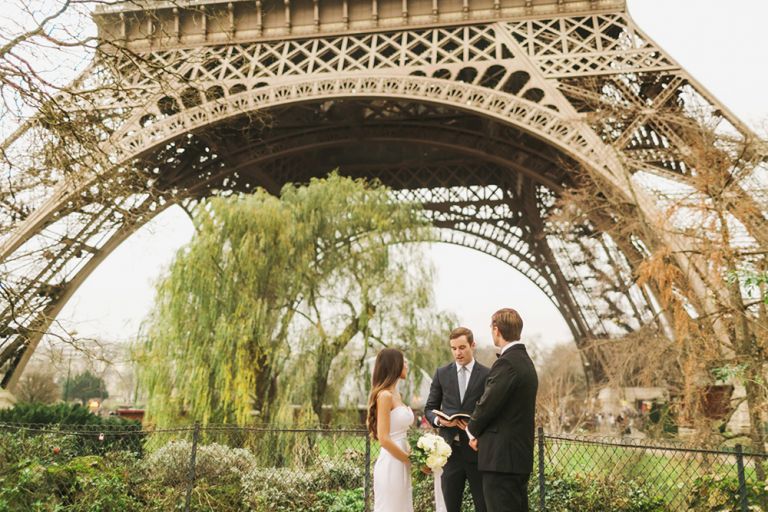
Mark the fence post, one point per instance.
(542, 490)
(192, 457)
(367, 475)
(744, 506)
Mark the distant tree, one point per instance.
(562, 389)
(84, 387)
(704, 258)
(37, 386)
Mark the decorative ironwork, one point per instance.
(480, 121)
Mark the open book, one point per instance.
(457, 416)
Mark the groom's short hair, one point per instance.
(462, 331)
(509, 323)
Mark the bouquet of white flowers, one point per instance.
(431, 451)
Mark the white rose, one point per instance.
(443, 449)
(428, 443)
(436, 461)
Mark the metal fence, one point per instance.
(330, 469)
(608, 473)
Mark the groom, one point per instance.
(502, 425)
(456, 388)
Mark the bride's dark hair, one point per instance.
(387, 369)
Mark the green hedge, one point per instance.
(95, 434)
(61, 414)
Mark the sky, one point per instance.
(722, 44)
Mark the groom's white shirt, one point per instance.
(510, 345)
(503, 349)
(469, 366)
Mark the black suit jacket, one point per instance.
(444, 396)
(504, 418)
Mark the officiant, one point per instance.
(456, 389)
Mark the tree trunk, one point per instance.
(327, 352)
(266, 388)
(323, 361)
(748, 351)
(755, 401)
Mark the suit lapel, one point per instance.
(453, 381)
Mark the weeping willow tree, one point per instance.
(263, 278)
(370, 303)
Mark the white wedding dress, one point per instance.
(392, 490)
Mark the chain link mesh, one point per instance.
(598, 473)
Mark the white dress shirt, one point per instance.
(469, 366)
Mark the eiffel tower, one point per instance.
(479, 109)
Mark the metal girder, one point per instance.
(483, 120)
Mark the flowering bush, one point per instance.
(215, 462)
(430, 450)
(290, 489)
(219, 471)
(279, 489)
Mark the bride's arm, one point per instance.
(383, 409)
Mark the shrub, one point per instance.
(279, 489)
(350, 500)
(214, 462)
(218, 476)
(424, 494)
(81, 484)
(290, 489)
(590, 493)
(45, 448)
(720, 493)
(339, 473)
(58, 414)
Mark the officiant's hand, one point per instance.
(459, 423)
(473, 444)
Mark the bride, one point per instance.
(388, 422)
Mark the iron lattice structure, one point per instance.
(481, 110)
